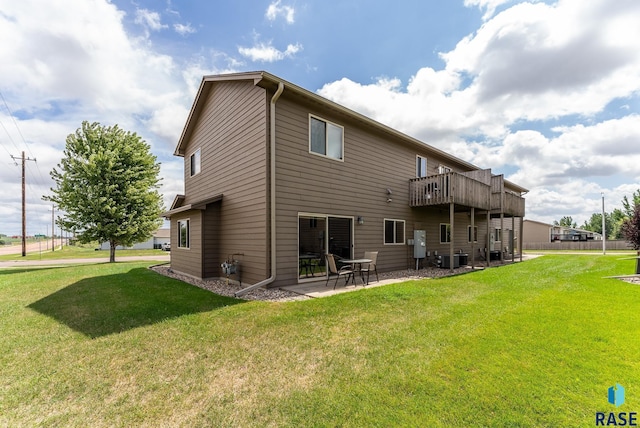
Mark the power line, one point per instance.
(24, 141)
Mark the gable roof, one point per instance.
(270, 82)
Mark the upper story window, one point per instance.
(421, 166)
(326, 138)
(195, 162)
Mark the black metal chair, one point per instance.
(333, 270)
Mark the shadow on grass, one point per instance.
(104, 305)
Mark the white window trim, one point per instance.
(497, 234)
(395, 238)
(320, 154)
(188, 220)
(440, 233)
(199, 151)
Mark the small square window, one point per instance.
(393, 231)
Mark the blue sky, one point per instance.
(547, 93)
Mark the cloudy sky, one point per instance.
(545, 92)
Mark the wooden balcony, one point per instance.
(475, 189)
(452, 187)
(504, 201)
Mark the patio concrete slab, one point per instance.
(318, 289)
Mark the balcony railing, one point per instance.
(456, 188)
(449, 188)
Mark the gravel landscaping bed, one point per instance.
(632, 279)
(277, 295)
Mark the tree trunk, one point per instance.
(112, 252)
(638, 263)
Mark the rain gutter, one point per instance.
(272, 184)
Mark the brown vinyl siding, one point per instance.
(230, 125)
(357, 186)
(187, 260)
(231, 132)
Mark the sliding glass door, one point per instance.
(319, 234)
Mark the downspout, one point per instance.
(272, 189)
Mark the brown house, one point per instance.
(277, 176)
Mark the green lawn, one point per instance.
(532, 344)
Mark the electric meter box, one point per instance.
(419, 244)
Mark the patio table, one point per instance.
(354, 263)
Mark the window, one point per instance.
(393, 231)
(445, 233)
(498, 235)
(183, 233)
(475, 233)
(325, 138)
(195, 162)
(421, 167)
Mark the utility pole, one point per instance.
(24, 205)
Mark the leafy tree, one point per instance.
(107, 184)
(631, 232)
(631, 228)
(629, 207)
(617, 219)
(566, 221)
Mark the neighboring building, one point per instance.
(538, 232)
(159, 237)
(276, 176)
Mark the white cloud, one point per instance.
(489, 6)
(532, 63)
(267, 53)
(183, 29)
(275, 9)
(149, 19)
(82, 66)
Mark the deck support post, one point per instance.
(487, 252)
(473, 238)
(451, 220)
(520, 239)
(501, 236)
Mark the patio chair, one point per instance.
(333, 270)
(373, 256)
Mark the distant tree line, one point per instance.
(619, 224)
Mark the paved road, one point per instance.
(32, 248)
(24, 263)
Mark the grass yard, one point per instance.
(532, 344)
